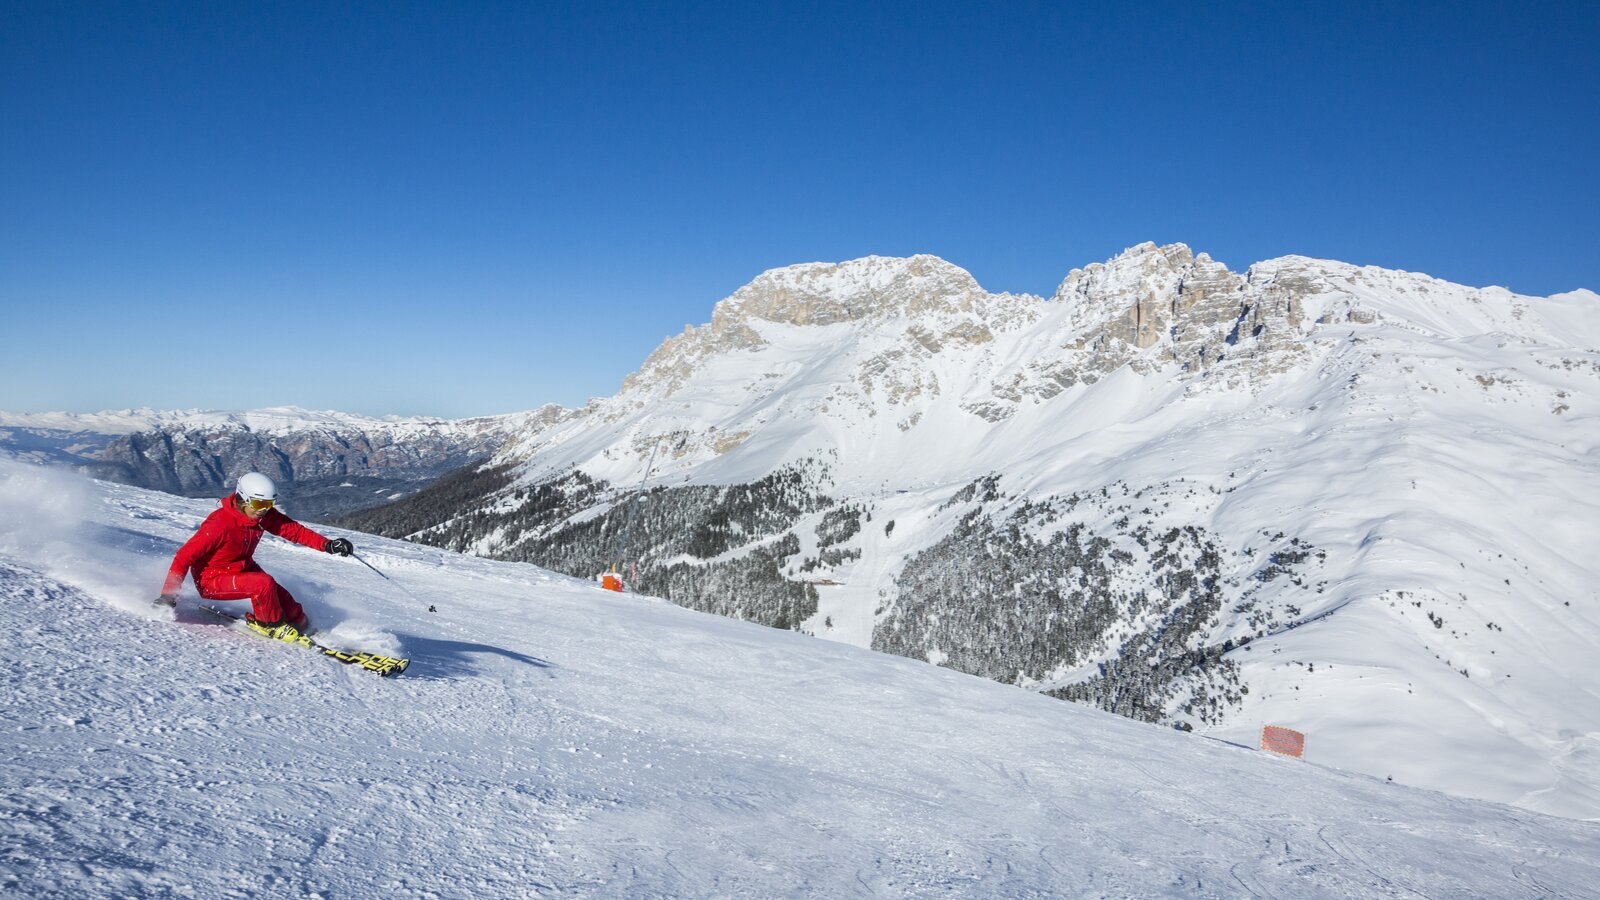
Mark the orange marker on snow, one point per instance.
(1283, 740)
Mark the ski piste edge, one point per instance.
(383, 666)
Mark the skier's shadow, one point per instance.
(446, 657)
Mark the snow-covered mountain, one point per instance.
(331, 462)
(553, 739)
(1353, 501)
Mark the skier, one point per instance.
(220, 555)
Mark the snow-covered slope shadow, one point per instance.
(555, 739)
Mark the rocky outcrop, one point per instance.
(1152, 306)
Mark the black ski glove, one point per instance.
(339, 547)
(168, 600)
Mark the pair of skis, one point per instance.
(372, 662)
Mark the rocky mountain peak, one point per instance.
(815, 294)
(1152, 306)
(871, 287)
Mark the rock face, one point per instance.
(1154, 307)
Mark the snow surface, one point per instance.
(552, 738)
(1439, 443)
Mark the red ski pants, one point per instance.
(268, 600)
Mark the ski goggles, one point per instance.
(257, 504)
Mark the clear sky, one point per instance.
(466, 208)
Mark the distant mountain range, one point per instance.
(1356, 502)
(327, 463)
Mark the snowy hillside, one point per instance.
(1353, 501)
(554, 739)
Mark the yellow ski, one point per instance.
(372, 662)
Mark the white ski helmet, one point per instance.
(256, 486)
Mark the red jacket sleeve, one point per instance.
(288, 529)
(196, 548)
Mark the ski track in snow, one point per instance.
(551, 738)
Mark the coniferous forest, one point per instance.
(1082, 596)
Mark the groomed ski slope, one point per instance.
(554, 739)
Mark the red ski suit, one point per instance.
(221, 557)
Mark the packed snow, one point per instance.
(552, 738)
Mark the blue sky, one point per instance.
(459, 209)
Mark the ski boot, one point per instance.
(278, 631)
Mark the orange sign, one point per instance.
(611, 582)
(1283, 740)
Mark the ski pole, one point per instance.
(393, 582)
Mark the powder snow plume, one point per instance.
(46, 523)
